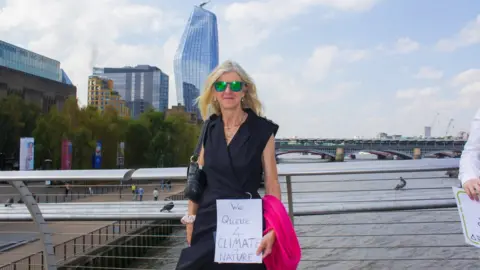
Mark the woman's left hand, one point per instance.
(267, 244)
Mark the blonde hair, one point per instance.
(205, 101)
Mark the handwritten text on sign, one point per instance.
(469, 216)
(239, 231)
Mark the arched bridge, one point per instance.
(402, 149)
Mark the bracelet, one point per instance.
(188, 219)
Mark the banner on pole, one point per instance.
(27, 162)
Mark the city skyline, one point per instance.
(196, 56)
(322, 68)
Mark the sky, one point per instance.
(323, 68)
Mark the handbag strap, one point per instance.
(198, 148)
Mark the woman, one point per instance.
(238, 147)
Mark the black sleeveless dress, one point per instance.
(231, 171)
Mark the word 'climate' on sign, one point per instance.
(239, 231)
(469, 216)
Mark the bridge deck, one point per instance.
(65, 231)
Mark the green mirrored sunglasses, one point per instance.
(235, 86)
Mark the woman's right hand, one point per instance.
(472, 188)
(189, 233)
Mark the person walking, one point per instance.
(67, 189)
(155, 194)
(140, 193)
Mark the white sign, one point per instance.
(239, 231)
(26, 161)
(469, 211)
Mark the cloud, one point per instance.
(416, 107)
(325, 58)
(294, 102)
(429, 73)
(254, 21)
(469, 35)
(404, 45)
(468, 83)
(82, 34)
(412, 93)
(466, 77)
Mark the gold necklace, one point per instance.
(228, 130)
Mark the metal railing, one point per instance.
(84, 243)
(56, 194)
(347, 216)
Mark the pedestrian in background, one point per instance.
(140, 193)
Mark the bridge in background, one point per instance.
(337, 149)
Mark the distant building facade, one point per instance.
(65, 78)
(29, 62)
(428, 132)
(36, 78)
(196, 56)
(142, 87)
(101, 95)
(190, 93)
(43, 92)
(181, 110)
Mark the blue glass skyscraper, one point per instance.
(196, 56)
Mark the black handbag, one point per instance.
(195, 176)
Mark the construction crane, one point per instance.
(450, 125)
(204, 3)
(428, 129)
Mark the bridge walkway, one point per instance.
(64, 231)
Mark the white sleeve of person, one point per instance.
(470, 160)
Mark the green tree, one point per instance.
(17, 119)
(51, 129)
(152, 140)
(182, 139)
(137, 142)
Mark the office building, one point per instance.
(34, 77)
(142, 87)
(65, 78)
(196, 56)
(428, 132)
(29, 62)
(101, 95)
(190, 93)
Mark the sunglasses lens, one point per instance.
(220, 86)
(236, 86)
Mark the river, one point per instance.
(351, 241)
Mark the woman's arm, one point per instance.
(272, 187)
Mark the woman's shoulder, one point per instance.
(267, 126)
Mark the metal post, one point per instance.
(290, 197)
(43, 230)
